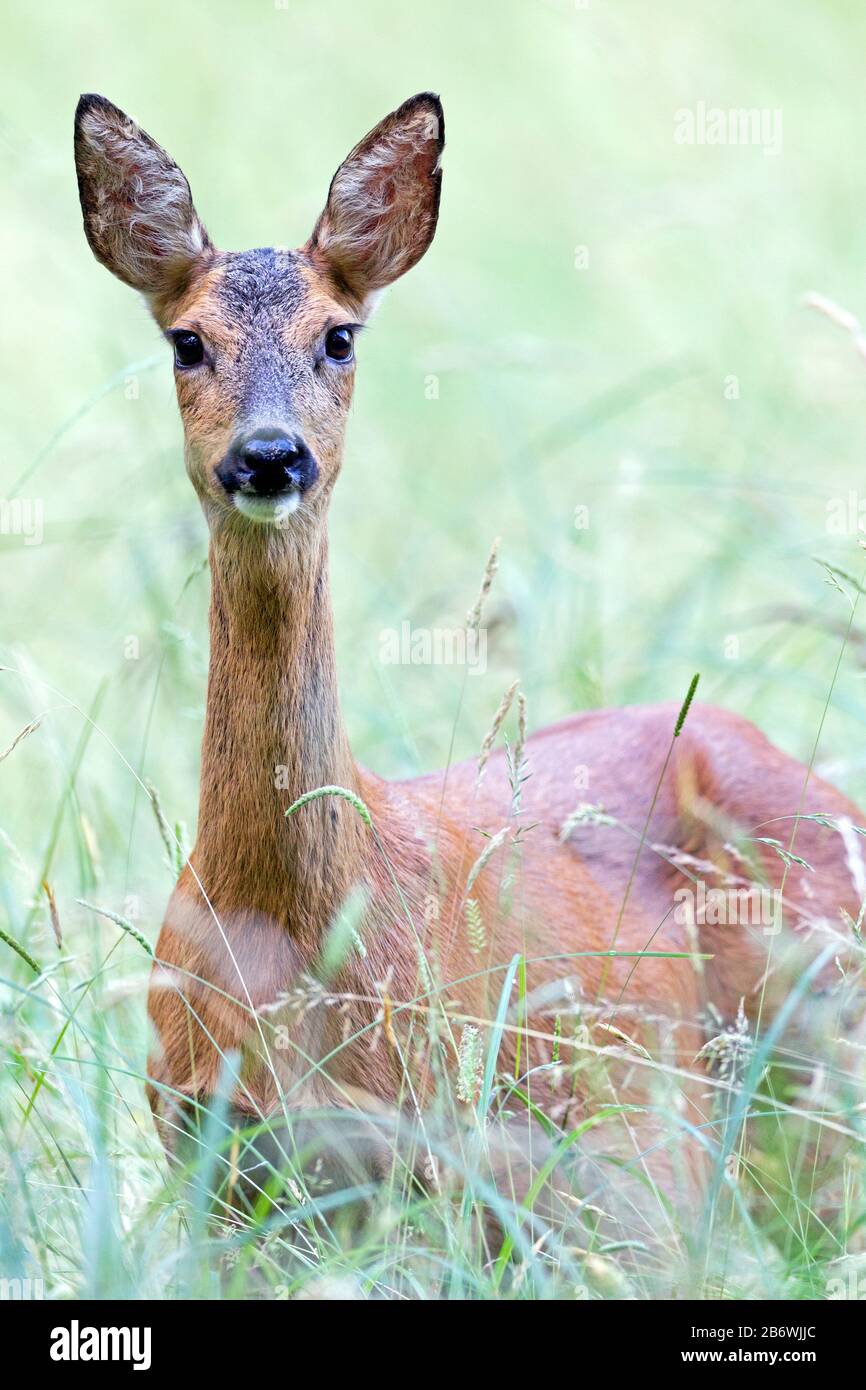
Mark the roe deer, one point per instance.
(264, 369)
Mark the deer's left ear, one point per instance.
(138, 212)
(384, 200)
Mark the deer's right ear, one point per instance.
(384, 200)
(138, 213)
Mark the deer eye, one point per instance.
(188, 349)
(339, 344)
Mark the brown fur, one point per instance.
(245, 927)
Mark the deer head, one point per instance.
(263, 340)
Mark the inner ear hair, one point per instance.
(383, 202)
(139, 217)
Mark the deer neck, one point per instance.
(273, 731)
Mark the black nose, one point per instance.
(267, 464)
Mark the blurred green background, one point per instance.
(667, 377)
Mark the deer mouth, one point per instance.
(267, 511)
